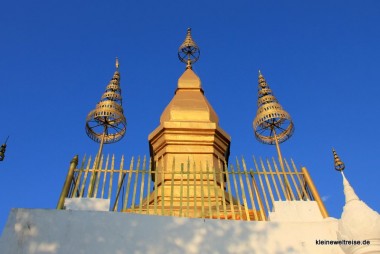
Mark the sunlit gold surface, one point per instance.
(190, 190)
(188, 131)
(338, 164)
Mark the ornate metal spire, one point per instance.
(106, 123)
(3, 147)
(338, 164)
(272, 123)
(189, 51)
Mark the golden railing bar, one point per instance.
(149, 183)
(229, 192)
(274, 180)
(222, 188)
(195, 191)
(233, 176)
(302, 183)
(202, 192)
(188, 188)
(181, 192)
(172, 187)
(249, 189)
(288, 192)
(120, 184)
(263, 212)
(268, 183)
(135, 184)
(143, 172)
(111, 175)
(90, 190)
(98, 175)
(105, 176)
(67, 184)
(126, 199)
(81, 193)
(244, 197)
(155, 186)
(78, 181)
(208, 191)
(292, 177)
(315, 193)
(74, 183)
(216, 194)
(162, 186)
(259, 200)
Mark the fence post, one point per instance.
(67, 184)
(315, 193)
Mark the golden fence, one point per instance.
(238, 193)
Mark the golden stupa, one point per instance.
(189, 133)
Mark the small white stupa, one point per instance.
(359, 225)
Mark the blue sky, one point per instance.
(321, 59)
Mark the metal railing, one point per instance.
(190, 190)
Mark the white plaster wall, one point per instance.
(63, 231)
(302, 211)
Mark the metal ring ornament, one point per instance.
(189, 51)
(338, 164)
(111, 121)
(107, 121)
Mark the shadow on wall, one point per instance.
(62, 231)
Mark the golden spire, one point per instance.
(106, 123)
(272, 124)
(338, 164)
(189, 51)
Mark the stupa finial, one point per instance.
(106, 123)
(338, 164)
(117, 63)
(272, 123)
(189, 51)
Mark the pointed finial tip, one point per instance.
(117, 63)
(259, 72)
(189, 29)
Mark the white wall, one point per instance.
(64, 231)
